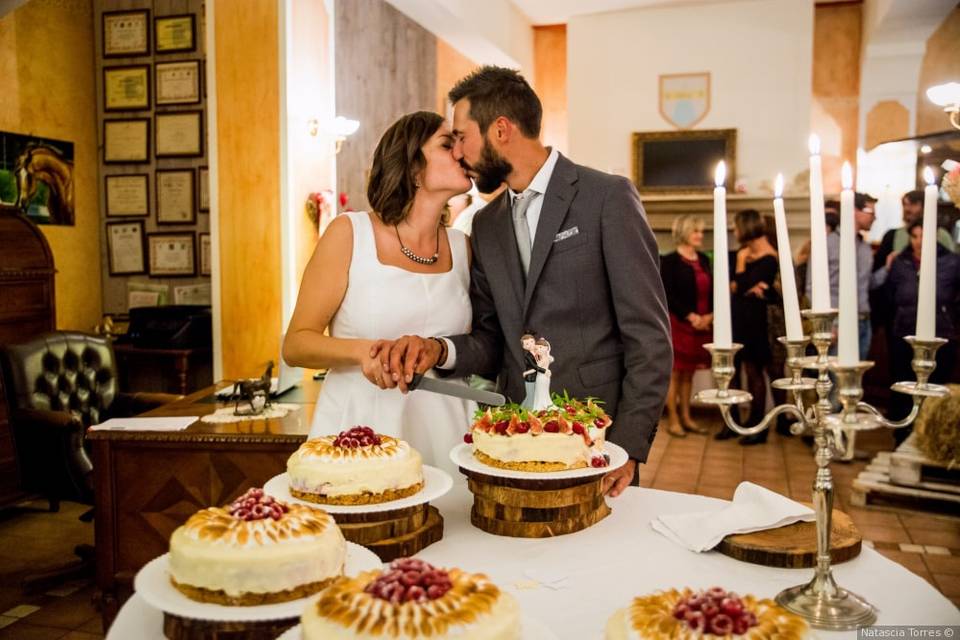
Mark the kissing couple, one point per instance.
(564, 252)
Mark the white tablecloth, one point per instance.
(619, 558)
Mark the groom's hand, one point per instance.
(616, 481)
(409, 355)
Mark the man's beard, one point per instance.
(491, 171)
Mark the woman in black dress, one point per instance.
(752, 290)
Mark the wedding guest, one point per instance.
(899, 278)
(688, 283)
(896, 240)
(752, 288)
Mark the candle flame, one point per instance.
(814, 144)
(778, 186)
(846, 176)
(720, 175)
(928, 175)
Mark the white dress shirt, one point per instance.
(536, 191)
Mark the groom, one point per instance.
(565, 253)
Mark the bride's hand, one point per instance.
(372, 367)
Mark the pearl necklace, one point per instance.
(419, 259)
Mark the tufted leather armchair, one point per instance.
(58, 384)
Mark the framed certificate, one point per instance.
(175, 191)
(127, 195)
(205, 263)
(192, 294)
(126, 33)
(173, 34)
(125, 248)
(172, 254)
(126, 141)
(179, 134)
(177, 82)
(203, 189)
(126, 88)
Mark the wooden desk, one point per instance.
(148, 483)
(179, 371)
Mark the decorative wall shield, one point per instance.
(684, 98)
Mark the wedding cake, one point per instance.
(256, 551)
(358, 466)
(678, 615)
(412, 599)
(569, 434)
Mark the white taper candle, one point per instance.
(818, 269)
(791, 306)
(927, 294)
(848, 333)
(722, 334)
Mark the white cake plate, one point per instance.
(153, 584)
(530, 629)
(436, 482)
(462, 456)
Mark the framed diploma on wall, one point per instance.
(172, 254)
(175, 189)
(205, 263)
(125, 251)
(127, 195)
(177, 82)
(126, 33)
(174, 34)
(126, 88)
(203, 189)
(126, 140)
(179, 135)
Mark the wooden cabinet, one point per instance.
(26, 309)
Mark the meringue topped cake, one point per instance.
(256, 551)
(714, 612)
(356, 467)
(412, 599)
(567, 435)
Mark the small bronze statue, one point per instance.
(255, 392)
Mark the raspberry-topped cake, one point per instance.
(704, 614)
(358, 466)
(567, 435)
(413, 599)
(256, 551)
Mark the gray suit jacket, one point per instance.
(594, 292)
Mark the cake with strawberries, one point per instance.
(412, 599)
(255, 551)
(680, 614)
(567, 435)
(355, 467)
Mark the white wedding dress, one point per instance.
(384, 301)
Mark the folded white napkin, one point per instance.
(754, 508)
(173, 423)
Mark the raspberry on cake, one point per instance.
(358, 466)
(714, 612)
(256, 551)
(567, 435)
(412, 599)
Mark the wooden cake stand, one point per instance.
(393, 534)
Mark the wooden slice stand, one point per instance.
(177, 628)
(393, 534)
(535, 508)
(794, 546)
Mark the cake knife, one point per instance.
(423, 383)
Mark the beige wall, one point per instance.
(941, 63)
(248, 133)
(550, 73)
(837, 32)
(47, 72)
(452, 66)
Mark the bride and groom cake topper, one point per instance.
(536, 375)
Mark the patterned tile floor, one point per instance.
(926, 544)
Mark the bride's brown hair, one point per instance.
(397, 162)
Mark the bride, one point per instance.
(394, 271)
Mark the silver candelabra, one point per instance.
(822, 602)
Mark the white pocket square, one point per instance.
(566, 233)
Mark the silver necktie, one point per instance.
(520, 227)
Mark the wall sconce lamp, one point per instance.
(340, 128)
(947, 96)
